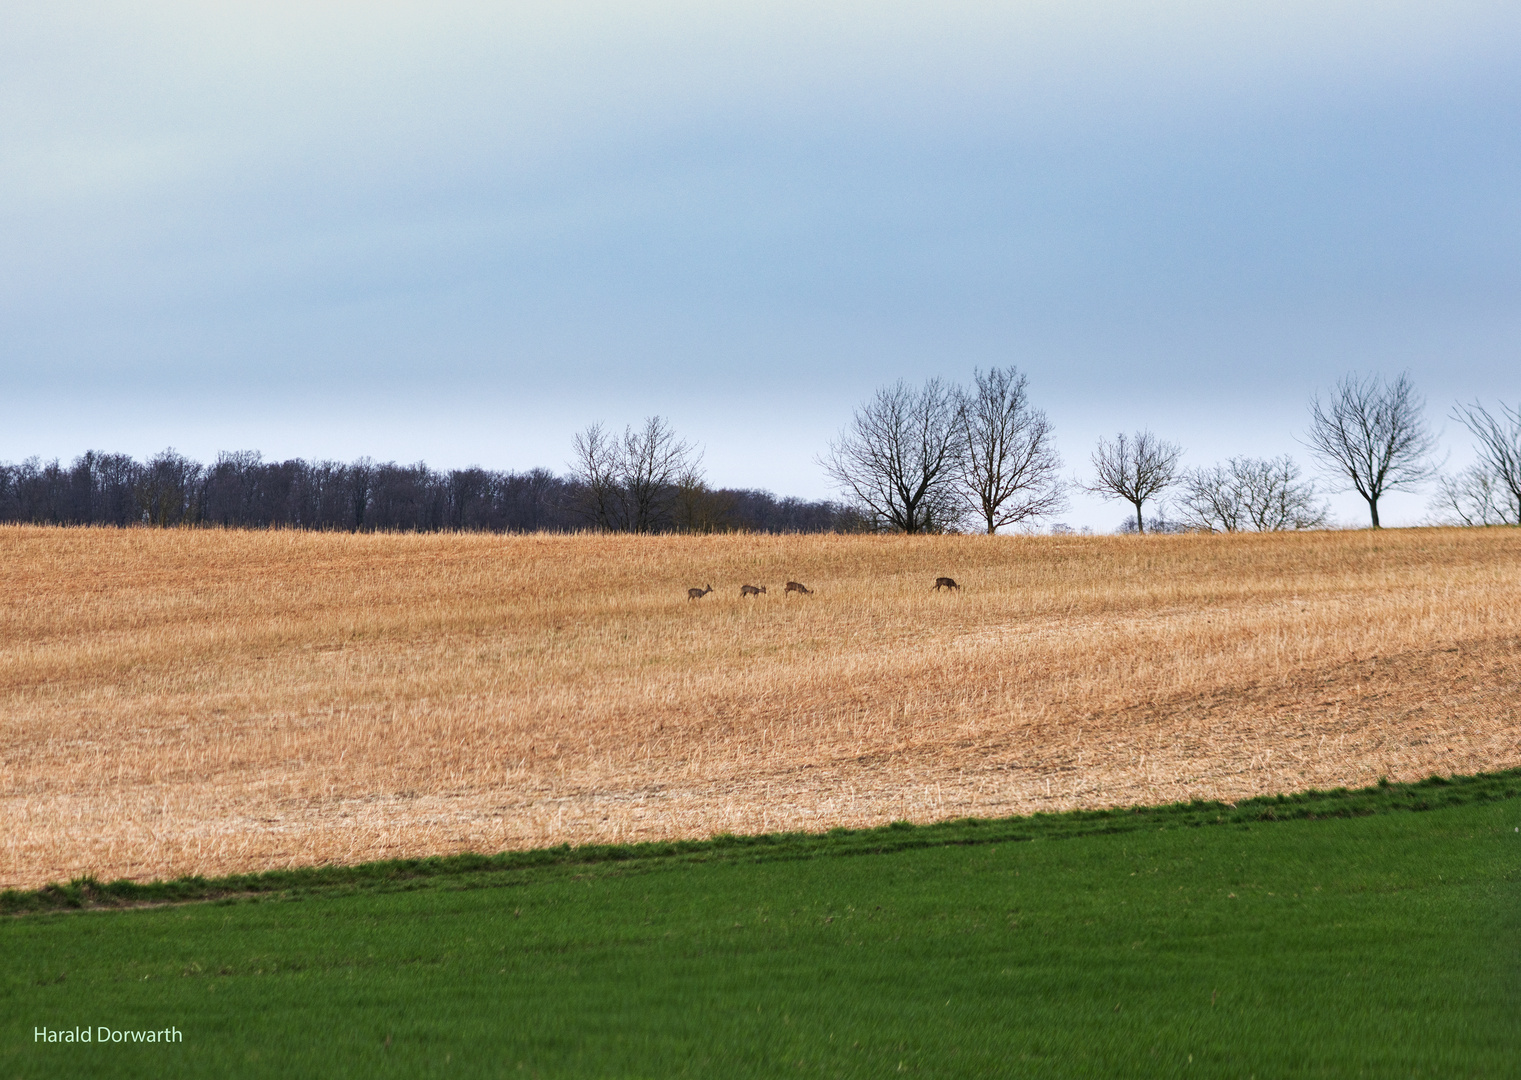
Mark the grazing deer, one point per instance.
(698, 594)
(750, 590)
(946, 583)
(798, 587)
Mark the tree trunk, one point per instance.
(1140, 525)
(1373, 509)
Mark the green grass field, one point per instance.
(1181, 941)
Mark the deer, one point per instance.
(798, 587)
(698, 594)
(946, 583)
(750, 590)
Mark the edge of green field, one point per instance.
(473, 870)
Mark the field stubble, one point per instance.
(208, 702)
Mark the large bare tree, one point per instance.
(1136, 468)
(1372, 436)
(1250, 493)
(1009, 464)
(898, 458)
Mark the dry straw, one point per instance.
(207, 701)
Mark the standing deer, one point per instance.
(946, 583)
(750, 590)
(798, 587)
(698, 594)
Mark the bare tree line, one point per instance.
(241, 490)
(943, 458)
(1243, 494)
(937, 458)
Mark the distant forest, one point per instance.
(242, 490)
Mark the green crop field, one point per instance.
(1185, 941)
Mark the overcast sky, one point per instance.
(460, 232)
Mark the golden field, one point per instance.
(202, 701)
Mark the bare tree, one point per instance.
(1135, 468)
(653, 461)
(1009, 464)
(898, 458)
(595, 471)
(1250, 493)
(1499, 448)
(1274, 496)
(1476, 497)
(628, 483)
(1211, 500)
(1372, 436)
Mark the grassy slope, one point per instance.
(1379, 945)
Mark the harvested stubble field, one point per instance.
(208, 702)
